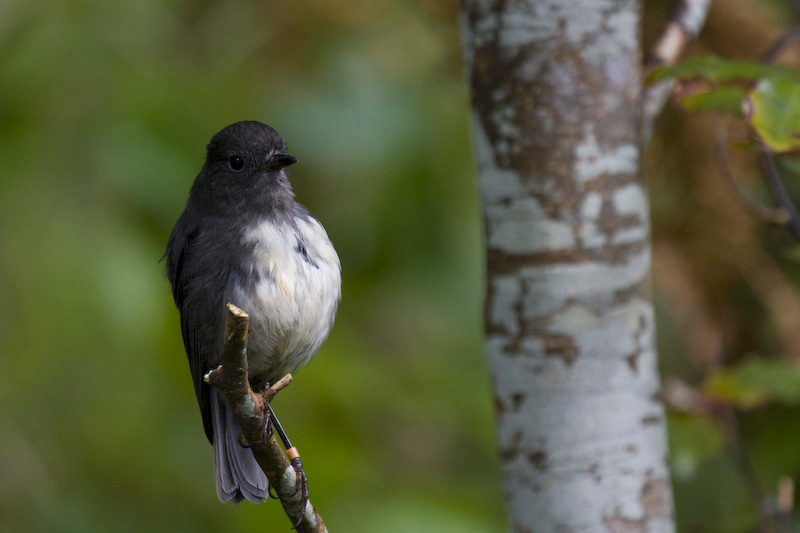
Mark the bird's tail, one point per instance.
(238, 474)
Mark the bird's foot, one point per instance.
(302, 482)
(267, 429)
(266, 434)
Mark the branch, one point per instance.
(778, 215)
(733, 437)
(787, 39)
(786, 213)
(779, 192)
(684, 24)
(231, 379)
(768, 168)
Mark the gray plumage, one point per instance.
(243, 239)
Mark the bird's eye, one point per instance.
(236, 162)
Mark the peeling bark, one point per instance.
(556, 99)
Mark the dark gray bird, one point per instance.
(243, 239)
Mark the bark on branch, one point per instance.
(685, 23)
(231, 379)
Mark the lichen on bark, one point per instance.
(569, 323)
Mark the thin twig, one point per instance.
(685, 22)
(730, 421)
(772, 215)
(787, 39)
(276, 387)
(765, 161)
(779, 191)
(231, 379)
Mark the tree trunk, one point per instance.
(569, 324)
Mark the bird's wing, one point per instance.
(200, 305)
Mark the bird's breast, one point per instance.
(292, 295)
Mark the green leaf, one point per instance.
(756, 382)
(716, 69)
(775, 112)
(725, 99)
(772, 102)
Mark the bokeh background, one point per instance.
(105, 110)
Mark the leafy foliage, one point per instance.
(756, 382)
(774, 112)
(727, 282)
(768, 96)
(717, 69)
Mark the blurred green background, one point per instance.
(105, 110)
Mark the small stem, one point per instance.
(733, 433)
(779, 193)
(684, 24)
(785, 40)
(773, 216)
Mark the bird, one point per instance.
(243, 239)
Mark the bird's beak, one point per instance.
(279, 161)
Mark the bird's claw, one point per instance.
(265, 435)
(302, 488)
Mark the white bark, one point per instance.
(556, 88)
